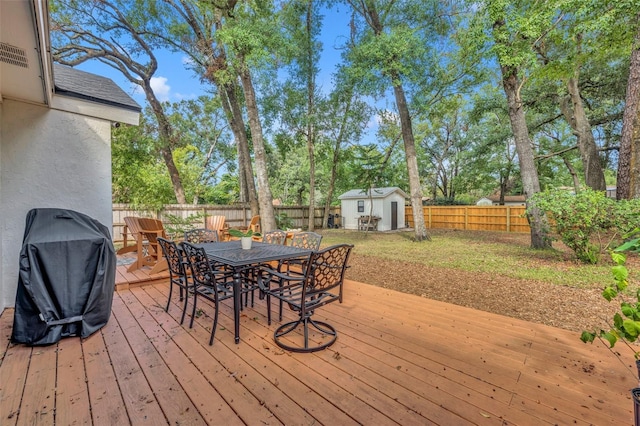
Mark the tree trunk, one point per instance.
(240, 148)
(528, 171)
(336, 159)
(420, 229)
(372, 18)
(245, 172)
(628, 182)
(577, 119)
(572, 172)
(265, 199)
(166, 138)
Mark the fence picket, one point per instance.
(474, 218)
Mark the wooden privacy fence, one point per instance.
(473, 218)
(298, 216)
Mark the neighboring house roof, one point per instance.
(508, 198)
(375, 193)
(91, 87)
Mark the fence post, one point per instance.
(466, 218)
(508, 219)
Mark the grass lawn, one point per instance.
(504, 254)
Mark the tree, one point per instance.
(192, 27)
(303, 23)
(248, 38)
(205, 144)
(514, 50)
(385, 47)
(113, 33)
(203, 154)
(563, 55)
(491, 160)
(443, 143)
(629, 156)
(345, 117)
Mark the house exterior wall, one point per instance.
(48, 158)
(2, 219)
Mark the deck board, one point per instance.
(72, 399)
(399, 359)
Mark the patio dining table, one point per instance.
(239, 260)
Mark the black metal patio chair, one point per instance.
(306, 240)
(177, 273)
(209, 282)
(274, 237)
(201, 235)
(321, 284)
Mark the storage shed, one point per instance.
(385, 205)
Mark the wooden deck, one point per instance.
(399, 359)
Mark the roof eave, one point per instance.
(113, 113)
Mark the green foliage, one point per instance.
(240, 234)
(283, 221)
(626, 323)
(579, 219)
(177, 225)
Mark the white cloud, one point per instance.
(160, 88)
(158, 85)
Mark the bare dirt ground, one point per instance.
(559, 306)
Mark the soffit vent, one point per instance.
(13, 55)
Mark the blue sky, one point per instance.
(173, 82)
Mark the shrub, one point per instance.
(283, 221)
(582, 219)
(177, 225)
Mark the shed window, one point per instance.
(360, 206)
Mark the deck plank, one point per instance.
(38, 404)
(445, 351)
(277, 389)
(200, 391)
(399, 359)
(171, 397)
(72, 396)
(107, 403)
(13, 373)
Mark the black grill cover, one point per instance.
(66, 278)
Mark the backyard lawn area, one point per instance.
(491, 271)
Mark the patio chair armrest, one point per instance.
(152, 231)
(267, 274)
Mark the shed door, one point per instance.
(394, 215)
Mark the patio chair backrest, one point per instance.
(132, 224)
(216, 223)
(174, 257)
(326, 270)
(306, 240)
(198, 262)
(274, 237)
(201, 235)
(254, 224)
(151, 228)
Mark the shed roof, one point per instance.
(375, 193)
(91, 87)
